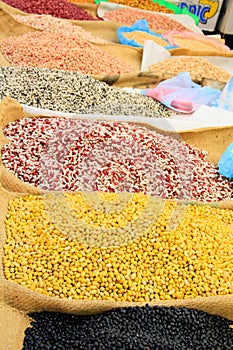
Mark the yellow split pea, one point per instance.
(185, 252)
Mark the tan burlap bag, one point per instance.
(214, 140)
(27, 300)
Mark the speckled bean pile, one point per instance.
(55, 8)
(156, 22)
(59, 51)
(123, 250)
(131, 328)
(196, 66)
(56, 25)
(66, 91)
(144, 5)
(58, 153)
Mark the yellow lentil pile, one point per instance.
(144, 5)
(196, 66)
(187, 256)
(140, 37)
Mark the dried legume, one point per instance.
(56, 25)
(55, 8)
(157, 328)
(140, 37)
(144, 5)
(73, 92)
(58, 153)
(58, 51)
(196, 66)
(177, 251)
(156, 21)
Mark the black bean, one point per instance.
(133, 328)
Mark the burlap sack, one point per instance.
(13, 323)
(27, 300)
(214, 140)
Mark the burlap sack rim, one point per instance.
(26, 300)
(11, 110)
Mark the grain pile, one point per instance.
(59, 51)
(56, 25)
(196, 66)
(140, 38)
(106, 247)
(90, 155)
(156, 21)
(144, 5)
(55, 8)
(72, 92)
(130, 328)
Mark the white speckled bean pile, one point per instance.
(73, 92)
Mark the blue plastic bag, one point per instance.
(226, 98)
(182, 95)
(142, 26)
(225, 163)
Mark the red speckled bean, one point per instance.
(56, 51)
(157, 22)
(55, 8)
(66, 154)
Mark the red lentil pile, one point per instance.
(57, 25)
(55, 8)
(66, 154)
(156, 21)
(57, 51)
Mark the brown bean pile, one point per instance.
(56, 25)
(55, 8)
(144, 5)
(56, 51)
(156, 21)
(141, 37)
(196, 66)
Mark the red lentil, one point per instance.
(66, 154)
(56, 25)
(57, 51)
(156, 21)
(55, 8)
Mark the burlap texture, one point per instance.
(27, 300)
(12, 323)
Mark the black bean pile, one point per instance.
(133, 328)
(73, 92)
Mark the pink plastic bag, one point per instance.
(182, 94)
(176, 38)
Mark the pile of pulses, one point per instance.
(59, 51)
(56, 25)
(144, 5)
(56, 8)
(73, 92)
(140, 37)
(156, 22)
(90, 155)
(167, 327)
(172, 256)
(196, 66)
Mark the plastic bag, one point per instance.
(226, 98)
(225, 163)
(195, 41)
(182, 94)
(142, 26)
